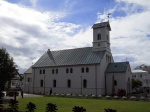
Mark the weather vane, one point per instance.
(108, 15)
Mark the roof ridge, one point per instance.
(71, 49)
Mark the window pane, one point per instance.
(56, 71)
(71, 70)
(41, 83)
(69, 83)
(82, 70)
(67, 70)
(54, 83)
(40, 71)
(43, 71)
(52, 71)
(84, 83)
(87, 69)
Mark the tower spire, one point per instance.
(108, 16)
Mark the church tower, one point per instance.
(101, 37)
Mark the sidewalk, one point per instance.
(6, 99)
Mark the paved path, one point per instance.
(25, 95)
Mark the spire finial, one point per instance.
(108, 15)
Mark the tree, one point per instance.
(7, 68)
(136, 83)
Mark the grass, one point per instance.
(91, 105)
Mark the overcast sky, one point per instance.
(29, 27)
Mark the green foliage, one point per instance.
(31, 107)
(1, 108)
(136, 83)
(13, 105)
(51, 107)
(78, 109)
(7, 68)
(110, 110)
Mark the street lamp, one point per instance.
(44, 84)
(28, 86)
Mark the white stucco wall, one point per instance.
(27, 85)
(143, 76)
(123, 81)
(62, 77)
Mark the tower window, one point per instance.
(99, 37)
(99, 45)
(28, 79)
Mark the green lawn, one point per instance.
(91, 105)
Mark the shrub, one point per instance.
(1, 108)
(110, 110)
(51, 107)
(13, 105)
(78, 109)
(31, 107)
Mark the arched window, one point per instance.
(82, 70)
(54, 83)
(67, 70)
(41, 83)
(98, 36)
(84, 83)
(69, 83)
(43, 71)
(87, 69)
(53, 71)
(71, 70)
(56, 71)
(40, 71)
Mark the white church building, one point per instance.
(86, 71)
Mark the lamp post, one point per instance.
(28, 86)
(81, 85)
(44, 84)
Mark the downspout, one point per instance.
(105, 85)
(96, 79)
(25, 83)
(33, 79)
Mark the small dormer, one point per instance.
(101, 37)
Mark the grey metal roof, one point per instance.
(103, 24)
(29, 70)
(70, 57)
(117, 67)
